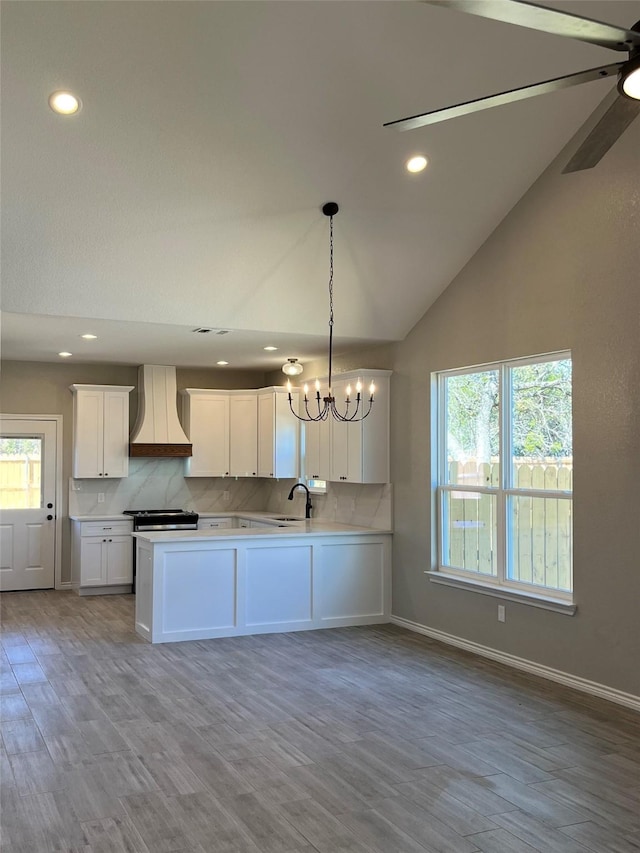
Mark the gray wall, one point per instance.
(38, 388)
(562, 271)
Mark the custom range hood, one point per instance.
(157, 431)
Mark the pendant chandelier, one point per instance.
(320, 407)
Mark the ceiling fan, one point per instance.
(615, 120)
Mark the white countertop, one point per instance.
(232, 513)
(293, 529)
(116, 517)
(298, 527)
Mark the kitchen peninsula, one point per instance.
(227, 582)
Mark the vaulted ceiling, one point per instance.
(187, 191)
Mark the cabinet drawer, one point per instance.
(212, 523)
(104, 528)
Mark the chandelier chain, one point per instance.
(330, 304)
(354, 409)
(331, 271)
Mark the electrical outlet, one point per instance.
(502, 613)
(100, 497)
(226, 496)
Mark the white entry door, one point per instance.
(27, 503)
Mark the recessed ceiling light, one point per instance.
(270, 349)
(89, 337)
(65, 354)
(64, 103)
(416, 164)
(222, 363)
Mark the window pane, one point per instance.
(540, 541)
(20, 485)
(541, 425)
(472, 429)
(469, 531)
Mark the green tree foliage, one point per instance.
(30, 447)
(541, 412)
(472, 415)
(542, 409)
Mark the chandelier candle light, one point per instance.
(326, 405)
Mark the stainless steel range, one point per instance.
(159, 519)
(163, 519)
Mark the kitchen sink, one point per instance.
(289, 518)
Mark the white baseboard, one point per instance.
(583, 684)
(64, 585)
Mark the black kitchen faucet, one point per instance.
(308, 506)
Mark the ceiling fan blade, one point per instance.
(547, 20)
(607, 131)
(422, 119)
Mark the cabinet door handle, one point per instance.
(49, 518)
(99, 475)
(106, 475)
(49, 506)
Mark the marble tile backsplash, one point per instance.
(349, 503)
(161, 484)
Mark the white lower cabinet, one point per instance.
(233, 585)
(102, 556)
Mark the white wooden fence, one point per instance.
(540, 535)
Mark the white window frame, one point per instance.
(499, 584)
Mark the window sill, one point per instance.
(533, 599)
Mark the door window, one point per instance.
(21, 472)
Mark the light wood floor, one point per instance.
(358, 739)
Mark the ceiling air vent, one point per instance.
(202, 330)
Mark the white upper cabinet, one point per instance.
(278, 432)
(255, 434)
(317, 453)
(205, 417)
(223, 429)
(100, 430)
(359, 451)
(243, 434)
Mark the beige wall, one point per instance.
(561, 271)
(38, 388)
